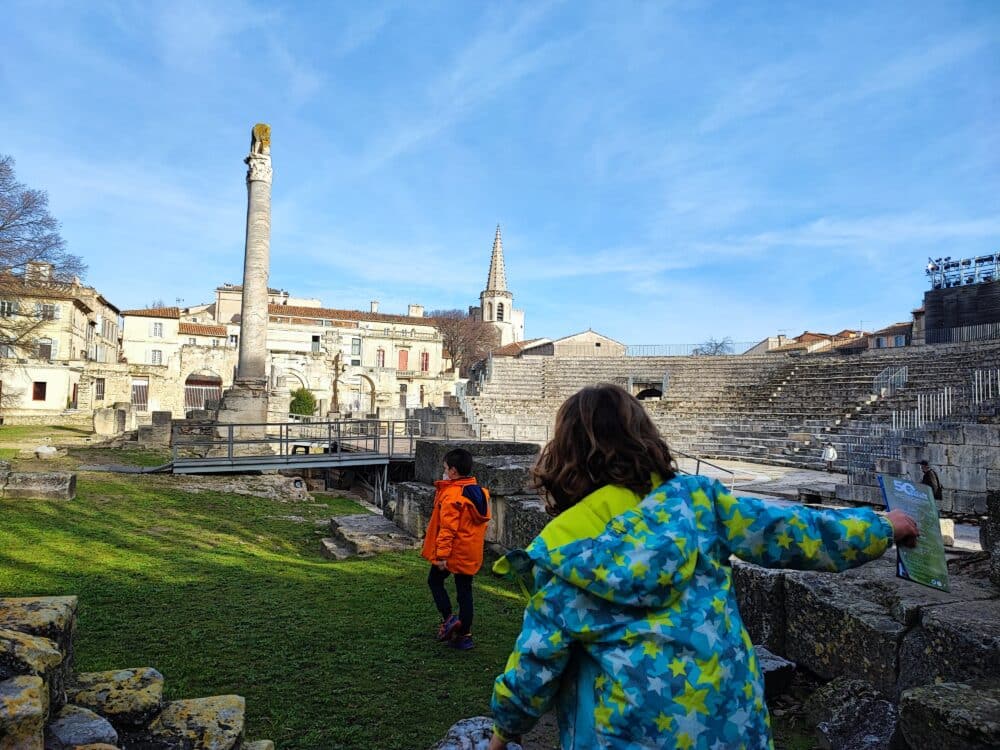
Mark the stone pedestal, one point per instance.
(245, 407)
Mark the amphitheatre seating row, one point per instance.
(772, 408)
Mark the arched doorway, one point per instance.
(201, 387)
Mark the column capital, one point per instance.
(258, 168)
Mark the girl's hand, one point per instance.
(441, 565)
(904, 528)
(496, 743)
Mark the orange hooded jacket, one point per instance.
(457, 529)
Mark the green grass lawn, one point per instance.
(224, 595)
(11, 432)
(228, 594)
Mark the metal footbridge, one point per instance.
(218, 449)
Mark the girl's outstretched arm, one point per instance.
(778, 536)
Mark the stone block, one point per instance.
(851, 715)
(860, 494)
(258, 745)
(904, 599)
(947, 531)
(106, 422)
(760, 596)
(952, 716)
(23, 710)
(409, 505)
(982, 434)
(370, 533)
(504, 475)
(517, 519)
(74, 727)
(889, 466)
(429, 454)
(49, 617)
(126, 697)
(777, 672)
(24, 654)
(964, 478)
(833, 629)
(973, 456)
(49, 485)
(945, 437)
(960, 641)
(993, 481)
(214, 723)
(966, 503)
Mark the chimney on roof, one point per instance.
(374, 304)
(38, 271)
(415, 311)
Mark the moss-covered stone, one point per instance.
(259, 745)
(214, 723)
(954, 643)
(52, 617)
(125, 697)
(952, 716)
(23, 654)
(23, 710)
(834, 629)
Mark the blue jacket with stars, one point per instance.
(632, 630)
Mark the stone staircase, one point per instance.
(769, 408)
(44, 705)
(444, 421)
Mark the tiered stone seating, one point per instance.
(44, 705)
(771, 408)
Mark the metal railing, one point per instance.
(985, 385)
(930, 409)
(982, 332)
(699, 462)
(890, 380)
(392, 438)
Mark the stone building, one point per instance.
(354, 362)
(53, 332)
(496, 301)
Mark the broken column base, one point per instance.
(244, 408)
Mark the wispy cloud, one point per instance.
(491, 62)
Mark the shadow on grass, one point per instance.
(224, 596)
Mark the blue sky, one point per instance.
(663, 172)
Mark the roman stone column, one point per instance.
(251, 369)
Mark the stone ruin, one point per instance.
(46, 705)
(36, 485)
(906, 666)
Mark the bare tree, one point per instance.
(715, 347)
(467, 338)
(156, 304)
(33, 257)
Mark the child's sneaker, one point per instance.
(448, 628)
(462, 642)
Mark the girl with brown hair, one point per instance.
(632, 631)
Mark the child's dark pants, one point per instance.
(463, 589)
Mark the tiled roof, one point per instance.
(155, 312)
(293, 311)
(894, 329)
(808, 337)
(199, 329)
(516, 347)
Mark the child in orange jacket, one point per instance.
(453, 544)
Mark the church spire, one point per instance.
(497, 281)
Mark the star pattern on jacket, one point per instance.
(637, 628)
